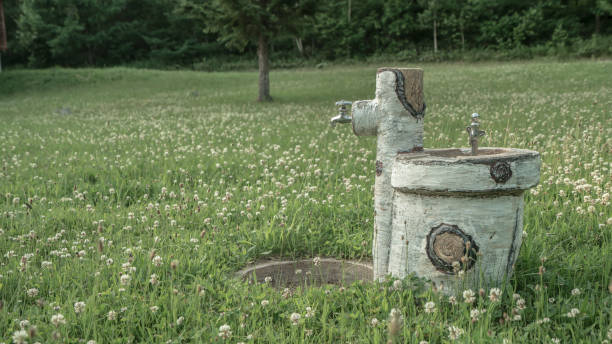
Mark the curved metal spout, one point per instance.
(342, 113)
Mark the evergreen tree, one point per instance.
(239, 22)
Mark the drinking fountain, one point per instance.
(453, 215)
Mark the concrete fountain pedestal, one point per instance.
(453, 216)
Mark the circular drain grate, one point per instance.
(304, 273)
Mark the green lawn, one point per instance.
(103, 170)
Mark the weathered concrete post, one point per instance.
(395, 116)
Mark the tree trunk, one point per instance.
(462, 35)
(349, 11)
(435, 36)
(300, 45)
(264, 69)
(3, 44)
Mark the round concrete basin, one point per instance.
(456, 171)
(458, 218)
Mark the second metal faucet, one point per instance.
(474, 132)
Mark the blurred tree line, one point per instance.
(174, 33)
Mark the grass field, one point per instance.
(129, 197)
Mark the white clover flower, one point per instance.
(543, 321)
(454, 332)
(112, 315)
(374, 322)
(268, 279)
(157, 261)
(430, 307)
(495, 294)
(394, 313)
(316, 261)
(153, 280)
(452, 300)
(20, 337)
(180, 320)
(309, 312)
(610, 333)
(575, 291)
(475, 315)
(79, 307)
(154, 309)
(125, 279)
(397, 284)
(225, 331)
(264, 303)
(469, 296)
(58, 319)
(520, 303)
(32, 292)
(572, 313)
(295, 318)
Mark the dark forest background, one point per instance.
(171, 34)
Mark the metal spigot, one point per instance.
(474, 132)
(342, 113)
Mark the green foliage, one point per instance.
(239, 22)
(211, 34)
(90, 32)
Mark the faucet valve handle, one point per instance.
(474, 128)
(474, 132)
(342, 117)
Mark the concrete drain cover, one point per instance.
(304, 273)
